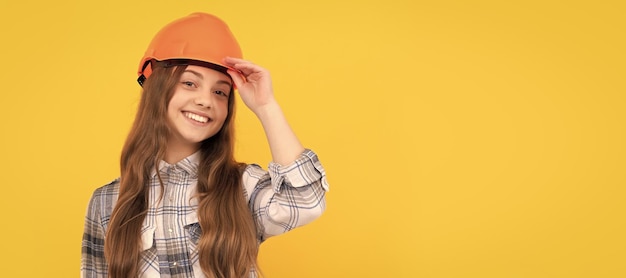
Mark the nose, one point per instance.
(204, 99)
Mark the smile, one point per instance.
(196, 117)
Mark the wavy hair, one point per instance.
(228, 245)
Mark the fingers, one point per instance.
(246, 67)
(233, 62)
(237, 78)
(230, 61)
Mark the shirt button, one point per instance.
(170, 230)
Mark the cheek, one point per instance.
(224, 108)
(171, 112)
(178, 97)
(175, 103)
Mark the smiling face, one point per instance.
(197, 110)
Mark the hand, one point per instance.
(253, 83)
(255, 88)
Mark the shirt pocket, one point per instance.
(194, 232)
(148, 249)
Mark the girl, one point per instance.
(183, 207)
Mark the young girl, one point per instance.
(183, 207)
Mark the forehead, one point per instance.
(206, 73)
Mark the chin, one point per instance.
(199, 139)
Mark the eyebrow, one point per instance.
(224, 82)
(199, 75)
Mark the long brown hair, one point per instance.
(228, 246)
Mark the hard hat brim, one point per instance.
(153, 63)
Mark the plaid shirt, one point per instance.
(281, 199)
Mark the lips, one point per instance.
(196, 117)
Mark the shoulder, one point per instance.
(110, 189)
(103, 198)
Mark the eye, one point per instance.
(189, 84)
(221, 93)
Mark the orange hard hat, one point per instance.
(197, 39)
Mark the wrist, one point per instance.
(268, 110)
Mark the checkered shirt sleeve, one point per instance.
(286, 197)
(93, 263)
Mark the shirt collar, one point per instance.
(188, 164)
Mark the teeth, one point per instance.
(196, 118)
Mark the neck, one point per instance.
(176, 151)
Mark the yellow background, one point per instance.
(461, 138)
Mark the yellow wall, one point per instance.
(461, 138)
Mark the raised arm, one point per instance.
(255, 88)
